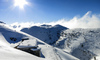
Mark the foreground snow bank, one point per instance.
(9, 53)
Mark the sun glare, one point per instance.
(20, 3)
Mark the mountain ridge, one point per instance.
(47, 33)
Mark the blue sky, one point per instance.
(40, 11)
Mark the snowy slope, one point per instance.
(82, 43)
(9, 53)
(10, 35)
(9, 38)
(47, 33)
(6, 51)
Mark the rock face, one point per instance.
(82, 43)
(47, 33)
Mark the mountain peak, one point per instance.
(46, 26)
(2, 22)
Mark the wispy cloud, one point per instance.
(89, 20)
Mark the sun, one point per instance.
(20, 3)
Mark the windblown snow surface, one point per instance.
(10, 38)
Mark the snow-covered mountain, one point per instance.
(70, 44)
(2, 22)
(47, 33)
(10, 38)
(81, 43)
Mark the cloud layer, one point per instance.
(89, 20)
